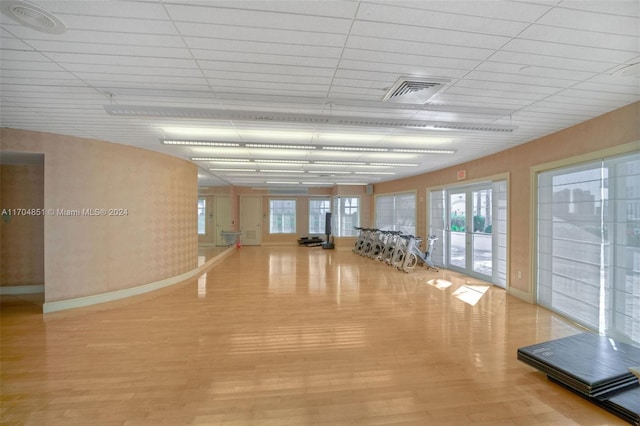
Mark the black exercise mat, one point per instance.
(592, 365)
(625, 404)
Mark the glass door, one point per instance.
(470, 242)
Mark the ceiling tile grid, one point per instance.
(511, 72)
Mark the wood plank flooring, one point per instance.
(288, 336)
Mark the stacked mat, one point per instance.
(596, 367)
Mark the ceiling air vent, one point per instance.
(411, 90)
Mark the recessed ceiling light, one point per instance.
(345, 163)
(354, 148)
(282, 171)
(395, 164)
(278, 146)
(283, 161)
(33, 16)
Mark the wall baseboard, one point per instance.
(22, 289)
(80, 302)
(527, 297)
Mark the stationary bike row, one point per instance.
(392, 247)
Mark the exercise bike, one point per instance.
(414, 255)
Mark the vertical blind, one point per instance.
(588, 251)
(346, 216)
(499, 231)
(437, 225)
(396, 212)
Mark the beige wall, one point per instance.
(88, 255)
(608, 131)
(302, 210)
(22, 235)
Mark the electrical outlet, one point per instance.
(519, 274)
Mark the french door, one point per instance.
(470, 236)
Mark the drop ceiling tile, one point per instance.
(266, 68)
(375, 44)
(618, 7)
(396, 14)
(256, 58)
(518, 79)
(139, 61)
(580, 37)
(258, 19)
(122, 25)
(108, 8)
(550, 61)
(512, 11)
(400, 69)
(433, 35)
(261, 34)
(568, 51)
(266, 48)
(110, 49)
(420, 61)
(591, 21)
(533, 71)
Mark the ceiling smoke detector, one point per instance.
(33, 16)
(412, 90)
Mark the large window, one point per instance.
(346, 216)
(282, 216)
(396, 212)
(588, 244)
(318, 209)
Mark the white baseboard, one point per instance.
(527, 297)
(22, 289)
(79, 302)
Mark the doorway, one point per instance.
(251, 220)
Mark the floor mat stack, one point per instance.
(595, 367)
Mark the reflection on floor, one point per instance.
(208, 253)
(289, 335)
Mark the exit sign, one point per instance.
(461, 174)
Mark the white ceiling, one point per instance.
(539, 65)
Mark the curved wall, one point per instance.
(154, 235)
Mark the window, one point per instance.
(318, 209)
(588, 244)
(282, 216)
(396, 212)
(202, 216)
(346, 216)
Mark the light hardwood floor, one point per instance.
(288, 336)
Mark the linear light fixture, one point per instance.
(278, 146)
(395, 164)
(423, 151)
(328, 172)
(282, 171)
(277, 182)
(342, 163)
(189, 142)
(274, 117)
(283, 161)
(354, 148)
(317, 183)
(198, 143)
(224, 160)
(374, 173)
(320, 162)
(232, 170)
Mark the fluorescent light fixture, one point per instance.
(281, 117)
(224, 160)
(282, 182)
(232, 170)
(283, 161)
(354, 148)
(342, 163)
(329, 172)
(374, 173)
(317, 183)
(423, 151)
(278, 146)
(198, 143)
(282, 171)
(352, 183)
(395, 164)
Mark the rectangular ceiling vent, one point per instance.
(288, 191)
(411, 90)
